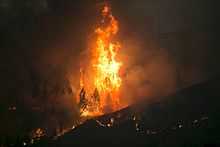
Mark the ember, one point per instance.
(100, 91)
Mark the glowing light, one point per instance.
(105, 82)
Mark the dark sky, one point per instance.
(36, 34)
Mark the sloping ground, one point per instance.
(188, 118)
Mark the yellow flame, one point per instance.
(106, 68)
(107, 77)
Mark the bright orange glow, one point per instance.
(106, 81)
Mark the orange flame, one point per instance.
(106, 79)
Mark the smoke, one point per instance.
(148, 71)
(166, 46)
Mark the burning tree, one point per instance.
(101, 83)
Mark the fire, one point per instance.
(105, 81)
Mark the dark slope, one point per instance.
(188, 118)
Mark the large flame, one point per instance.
(106, 81)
